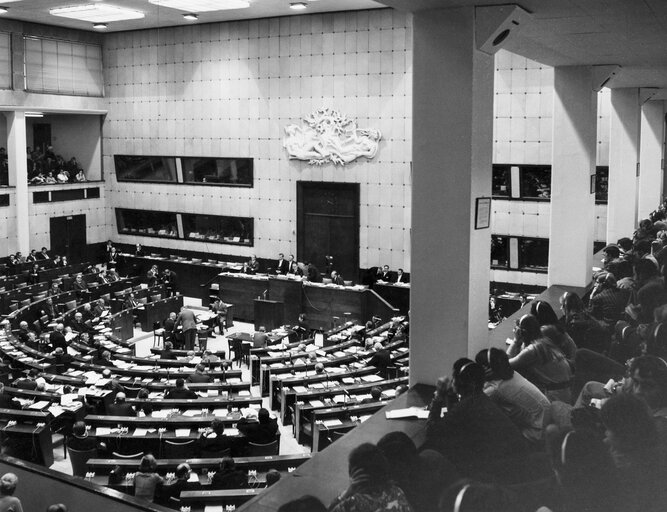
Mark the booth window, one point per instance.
(5, 61)
(501, 181)
(218, 229)
(534, 254)
(601, 184)
(535, 182)
(217, 171)
(145, 168)
(147, 223)
(499, 251)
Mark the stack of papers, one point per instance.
(334, 422)
(182, 432)
(410, 412)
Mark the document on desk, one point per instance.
(334, 422)
(300, 389)
(182, 432)
(140, 432)
(39, 405)
(56, 410)
(348, 380)
(214, 508)
(244, 392)
(371, 378)
(231, 431)
(410, 412)
(317, 403)
(102, 431)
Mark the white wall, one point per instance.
(229, 90)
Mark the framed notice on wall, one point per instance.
(482, 212)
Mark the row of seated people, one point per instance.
(49, 168)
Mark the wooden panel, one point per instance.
(289, 292)
(397, 296)
(242, 293)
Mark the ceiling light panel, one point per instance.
(202, 5)
(97, 13)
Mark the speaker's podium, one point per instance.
(269, 314)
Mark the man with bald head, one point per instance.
(120, 407)
(57, 338)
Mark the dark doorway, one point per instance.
(41, 136)
(328, 225)
(68, 237)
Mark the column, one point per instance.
(18, 177)
(650, 157)
(623, 159)
(451, 151)
(572, 165)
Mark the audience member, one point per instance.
(214, 441)
(262, 430)
(146, 481)
(173, 488)
(229, 476)
(8, 502)
(370, 485)
(180, 391)
(120, 407)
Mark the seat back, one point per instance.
(106, 297)
(155, 298)
(78, 458)
(216, 454)
(137, 455)
(179, 449)
(25, 302)
(259, 450)
(69, 305)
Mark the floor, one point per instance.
(144, 342)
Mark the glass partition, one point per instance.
(499, 251)
(147, 223)
(534, 254)
(221, 171)
(145, 168)
(218, 229)
(535, 182)
(501, 181)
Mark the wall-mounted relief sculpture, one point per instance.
(328, 136)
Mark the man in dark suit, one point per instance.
(387, 275)
(214, 439)
(44, 255)
(293, 266)
(32, 257)
(120, 407)
(186, 319)
(261, 430)
(103, 360)
(401, 277)
(169, 279)
(180, 392)
(61, 359)
(336, 278)
(167, 353)
(313, 274)
(169, 324)
(130, 302)
(281, 265)
(199, 376)
(100, 307)
(77, 324)
(23, 334)
(57, 338)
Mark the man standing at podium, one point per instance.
(186, 319)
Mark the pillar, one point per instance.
(623, 160)
(650, 157)
(451, 152)
(572, 165)
(18, 177)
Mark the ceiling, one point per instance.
(37, 11)
(630, 33)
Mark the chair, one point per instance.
(142, 300)
(178, 449)
(202, 339)
(155, 298)
(78, 458)
(13, 306)
(117, 455)
(347, 283)
(25, 302)
(69, 305)
(241, 353)
(158, 334)
(215, 454)
(106, 297)
(259, 450)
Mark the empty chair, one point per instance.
(143, 300)
(78, 458)
(158, 334)
(37, 327)
(106, 297)
(259, 450)
(179, 449)
(13, 306)
(118, 294)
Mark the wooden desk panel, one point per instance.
(242, 292)
(396, 295)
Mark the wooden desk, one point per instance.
(398, 295)
(226, 497)
(319, 430)
(33, 427)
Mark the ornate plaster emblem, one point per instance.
(329, 136)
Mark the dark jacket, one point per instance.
(256, 432)
(123, 409)
(180, 393)
(235, 479)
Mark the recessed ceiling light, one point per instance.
(97, 13)
(298, 6)
(202, 5)
(3, 10)
(191, 16)
(100, 26)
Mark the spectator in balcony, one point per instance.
(44, 254)
(62, 176)
(370, 486)
(8, 502)
(146, 481)
(50, 179)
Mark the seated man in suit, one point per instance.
(131, 302)
(401, 277)
(120, 408)
(254, 264)
(169, 279)
(61, 359)
(103, 360)
(81, 440)
(313, 274)
(80, 286)
(77, 324)
(180, 391)
(167, 352)
(22, 335)
(386, 275)
(54, 290)
(29, 382)
(293, 267)
(87, 313)
(260, 339)
(199, 376)
(282, 266)
(100, 308)
(214, 439)
(259, 429)
(44, 255)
